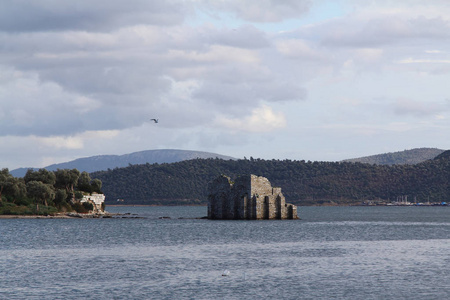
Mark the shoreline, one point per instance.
(60, 216)
(34, 217)
(298, 205)
(155, 205)
(107, 215)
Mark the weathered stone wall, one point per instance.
(96, 199)
(249, 197)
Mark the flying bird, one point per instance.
(154, 120)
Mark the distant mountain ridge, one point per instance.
(105, 162)
(443, 155)
(406, 157)
(303, 183)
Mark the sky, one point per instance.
(293, 79)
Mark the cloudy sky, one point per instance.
(272, 79)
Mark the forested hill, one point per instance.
(443, 155)
(413, 156)
(303, 183)
(105, 162)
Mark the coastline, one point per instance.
(106, 215)
(34, 217)
(155, 205)
(58, 216)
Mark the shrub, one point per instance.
(88, 206)
(23, 201)
(13, 209)
(78, 195)
(82, 208)
(43, 210)
(65, 207)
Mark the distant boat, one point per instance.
(226, 273)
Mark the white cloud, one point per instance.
(33, 106)
(261, 119)
(433, 51)
(419, 108)
(60, 142)
(411, 60)
(215, 54)
(78, 141)
(239, 72)
(299, 49)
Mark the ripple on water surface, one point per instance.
(336, 254)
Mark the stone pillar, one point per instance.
(292, 212)
(272, 207)
(252, 208)
(279, 208)
(218, 208)
(266, 208)
(236, 207)
(243, 211)
(249, 208)
(259, 207)
(210, 207)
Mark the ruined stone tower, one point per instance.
(250, 197)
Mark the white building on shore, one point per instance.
(97, 201)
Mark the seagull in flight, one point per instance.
(154, 120)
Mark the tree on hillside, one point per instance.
(302, 182)
(84, 182)
(58, 190)
(60, 197)
(5, 179)
(40, 192)
(42, 175)
(67, 179)
(10, 186)
(97, 186)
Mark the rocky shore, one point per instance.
(70, 215)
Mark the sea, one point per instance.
(171, 253)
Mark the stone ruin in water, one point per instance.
(249, 197)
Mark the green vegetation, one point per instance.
(413, 156)
(45, 192)
(302, 183)
(185, 183)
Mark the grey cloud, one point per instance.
(263, 10)
(68, 68)
(243, 37)
(102, 80)
(234, 85)
(32, 105)
(91, 80)
(283, 91)
(237, 98)
(97, 15)
(371, 43)
(377, 31)
(419, 108)
(229, 96)
(29, 109)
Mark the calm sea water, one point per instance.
(332, 253)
